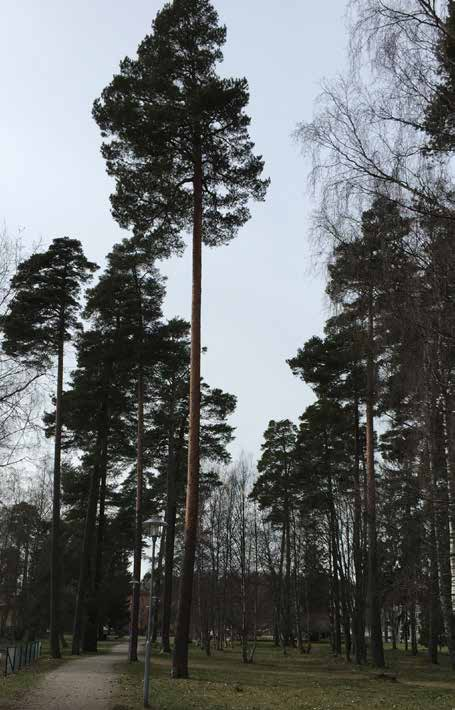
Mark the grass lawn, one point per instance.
(16, 685)
(314, 682)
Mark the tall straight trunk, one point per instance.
(136, 596)
(345, 607)
(89, 530)
(413, 628)
(243, 580)
(90, 524)
(433, 608)
(449, 405)
(55, 566)
(182, 631)
(330, 600)
(406, 629)
(434, 619)
(359, 597)
(281, 629)
(393, 628)
(296, 580)
(441, 522)
(377, 649)
(287, 583)
(173, 466)
(255, 597)
(333, 536)
(25, 590)
(100, 533)
(335, 586)
(92, 628)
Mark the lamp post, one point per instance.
(154, 528)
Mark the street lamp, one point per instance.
(153, 529)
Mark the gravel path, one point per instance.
(83, 684)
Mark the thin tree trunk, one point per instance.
(101, 529)
(413, 628)
(243, 575)
(406, 629)
(92, 629)
(287, 585)
(333, 535)
(281, 630)
(180, 656)
(393, 628)
(90, 525)
(377, 649)
(132, 653)
(442, 530)
(359, 598)
(171, 514)
(56, 495)
(255, 598)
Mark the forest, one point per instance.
(340, 539)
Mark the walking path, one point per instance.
(86, 683)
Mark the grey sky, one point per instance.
(260, 301)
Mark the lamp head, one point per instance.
(154, 526)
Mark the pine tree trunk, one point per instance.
(441, 522)
(92, 628)
(136, 595)
(296, 580)
(359, 598)
(89, 530)
(413, 628)
(287, 584)
(434, 609)
(180, 656)
(280, 606)
(393, 628)
(243, 582)
(335, 594)
(100, 532)
(333, 535)
(55, 535)
(377, 650)
(171, 515)
(90, 523)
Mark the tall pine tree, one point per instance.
(182, 159)
(42, 317)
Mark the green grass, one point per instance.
(16, 685)
(295, 682)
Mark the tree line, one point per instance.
(351, 510)
(177, 144)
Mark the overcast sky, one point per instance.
(260, 300)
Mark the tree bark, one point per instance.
(441, 524)
(136, 595)
(377, 649)
(94, 619)
(180, 656)
(90, 524)
(359, 598)
(55, 566)
(433, 604)
(170, 516)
